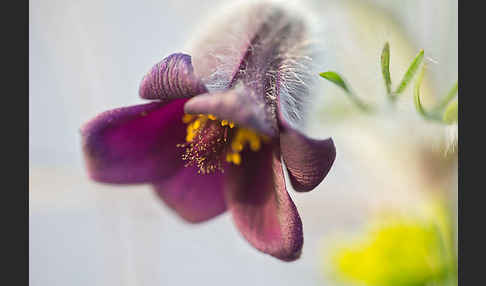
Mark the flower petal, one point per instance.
(262, 209)
(195, 197)
(239, 105)
(308, 160)
(173, 77)
(135, 144)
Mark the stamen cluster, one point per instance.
(209, 140)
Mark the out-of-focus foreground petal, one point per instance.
(173, 77)
(135, 144)
(261, 207)
(240, 105)
(195, 197)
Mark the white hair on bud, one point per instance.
(288, 28)
(221, 42)
(296, 79)
(300, 62)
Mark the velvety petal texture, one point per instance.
(261, 207)
(135, 144)
(240, 105)
(195, 197)
(173, 77)
(308, 160)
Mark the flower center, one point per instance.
(210, 140)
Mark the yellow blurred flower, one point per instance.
(399, 250)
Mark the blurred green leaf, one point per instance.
(410, 73)
(335, 78)
(450, 114)
(385, 67)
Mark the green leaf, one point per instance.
(335, 78)
(385, 67)
(450, 114)
(410, 73)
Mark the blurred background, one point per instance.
(89, 56)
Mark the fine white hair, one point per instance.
(288, 27)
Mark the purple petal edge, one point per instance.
(262, 209)
(173, 77)
(308, 160)
(134, 144)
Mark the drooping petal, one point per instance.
(261, 207)
(308, 160)
(239, 105)
(173, 77)
(135, 144)
(195, 197)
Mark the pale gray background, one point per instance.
(89, 56)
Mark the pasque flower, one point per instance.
(219, 122)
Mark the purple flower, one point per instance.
(213, 138)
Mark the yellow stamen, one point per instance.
(196, 124)
(229, 158)
(236, 158)
(187, 118)
(190, 133)
(239, 138)
(255, 144)
(236, 146)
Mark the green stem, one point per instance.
(416, 97)
(335, 78)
